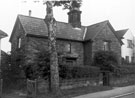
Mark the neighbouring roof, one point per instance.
(37, 26)
(3, 34)
(121, 33)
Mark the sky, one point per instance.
(120, 13)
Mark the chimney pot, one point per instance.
(30, 12)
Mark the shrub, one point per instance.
(41, 68)
(69, 72)
(106, 60)
(127, 69)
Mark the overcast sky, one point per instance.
(120, 13)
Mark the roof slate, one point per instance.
(94, 29)
(3, 34)
(37, 26)
(121, 33)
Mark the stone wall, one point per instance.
(88, 52)
(124, 80)
(18, 32)
(34, 45)
(76, 50)
(107, 34)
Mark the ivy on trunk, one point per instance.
(51, 24)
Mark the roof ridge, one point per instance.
(43, 19)
(106, 21)
(30, 16)
(38, 18)
(122, 30)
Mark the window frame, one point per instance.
(68, 47)
(19, 41)
(129, 43)
(106, 45)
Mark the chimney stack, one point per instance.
(74, 17)
(30, 12)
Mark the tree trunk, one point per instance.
(51, 24)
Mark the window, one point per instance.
(127, 59)
(132, 59)
(70, 60)
(19, 42)
(19, 26)
(68, 47)
(129, 44)
(106, 45)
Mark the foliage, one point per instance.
(106, 60)
(69, 72)
(7, 73)
(68, 4)
(41, 68)
(5, 63)
(127, 69)
(11, 74)
(44, 64)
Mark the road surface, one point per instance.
(119, 92)
(127, 95)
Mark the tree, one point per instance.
(51, 24)
(107, 61)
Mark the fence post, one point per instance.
(1, 84)
(31, 88)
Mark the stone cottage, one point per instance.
(75, 43)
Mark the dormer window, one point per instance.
(19, 42)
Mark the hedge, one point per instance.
(127, 69)
(68, 72)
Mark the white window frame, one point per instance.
(19, 42)
(106, 46)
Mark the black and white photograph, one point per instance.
(67, 49)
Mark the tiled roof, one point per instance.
(94, 29)
(2, 34)
(37, 26)
(121, 33)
